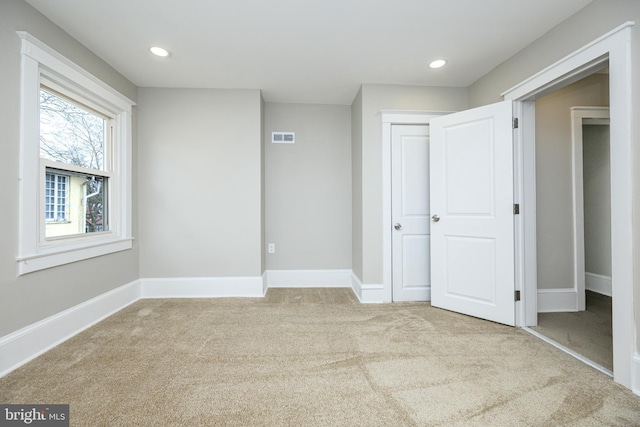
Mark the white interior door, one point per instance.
(410, 212)
(472, 228)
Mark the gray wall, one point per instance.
(308, 187)
(375, 98)
(597, 199)
(596, 19)
(554, 187)
(200, 182)
(27, 299)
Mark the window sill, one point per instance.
(65, 255)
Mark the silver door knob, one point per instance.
(397, 226)
(435, 218)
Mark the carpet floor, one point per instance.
(314, 357)
(588, 332)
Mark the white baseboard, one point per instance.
(557, 300)
(202, 287)
(26, 344)
(308, 278)
(369, 293)
(597, 283)
(635, 374)
(264, 283)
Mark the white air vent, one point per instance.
(283, 137)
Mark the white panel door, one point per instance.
(472, 228)
(410, 212)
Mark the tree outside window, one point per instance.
(73, 147)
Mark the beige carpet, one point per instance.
(588, 332)
(314, 358)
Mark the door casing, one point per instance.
(613, 47)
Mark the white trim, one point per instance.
(21, 346)
(557, 300)
(616, 46)
(202, 287)
(34, 252)
(367, 294)
(572, 67)
(578, 114)
(308, 278)
(28, 264)
(598, 283)
(356, 285)
(390, 118)
(36, 49)
(525, 233)
(264, 283)
(410, 117)
(636, 374)
(570, 352)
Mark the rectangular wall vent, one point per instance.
(283, 137)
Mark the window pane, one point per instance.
(95, 205)
(61, 198)
(75, 203)
(70, 134)
(55, 199)
(49, 198)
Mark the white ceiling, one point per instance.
(308, 51)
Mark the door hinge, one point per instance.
(515, 123)
(517, 296)
(516, 209)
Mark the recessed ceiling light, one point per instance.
(158, 51)
(438, 63)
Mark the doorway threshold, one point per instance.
(570, 352)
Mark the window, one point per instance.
(73, 140)
(75, 181)
(56, 208)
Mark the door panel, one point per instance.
(416, 253)
(469, 177)
(472, 242)
(475, 281)
(410, 210)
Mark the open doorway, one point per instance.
(611, 47)
(573, 222)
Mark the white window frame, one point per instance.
(35, 252)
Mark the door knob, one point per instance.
(397, 226)
(435, 218)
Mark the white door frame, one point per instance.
(578, 116)
(615, 47)
(390, 118)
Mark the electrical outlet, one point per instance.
(271, 248)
